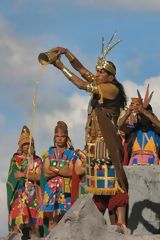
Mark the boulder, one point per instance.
(144, 199)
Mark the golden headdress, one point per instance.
(102, 63)
(25, 136)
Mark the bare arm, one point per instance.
(35, 175)
(66, 171)
(78, 82)
(76, 64)
(48, 170)
(81, 84)
(79, 167)
(31, 176)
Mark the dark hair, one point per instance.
(112, 64)
(109, 73)
(149, 108)
(122, 94)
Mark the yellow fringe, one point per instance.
(104, 191)
(101, 178)
(100, 191)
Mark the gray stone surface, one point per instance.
(84, 222)
(144, 199)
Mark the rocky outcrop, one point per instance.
(84, 222)
(144, 199)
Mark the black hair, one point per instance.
(149, 108)
(122, 94)
(123, 97)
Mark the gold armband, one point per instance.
(92, 88)
(67, 73)
(69, 55)
(89, 76)
(56, 170)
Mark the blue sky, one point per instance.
(29, 27)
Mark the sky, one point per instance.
(29, 27)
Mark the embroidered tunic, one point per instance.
(23, 196)
(57, 190)
(145, 148)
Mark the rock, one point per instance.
(144, 199)
(82, 222)
(13, 236)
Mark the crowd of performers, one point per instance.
(41, 189)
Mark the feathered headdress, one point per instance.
(102, 63)
(147, 97)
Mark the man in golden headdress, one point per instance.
(23, 191)
(102, 140)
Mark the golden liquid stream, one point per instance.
(34, 105)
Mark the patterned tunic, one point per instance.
(145, 148)
(26, 195)
(57, 190)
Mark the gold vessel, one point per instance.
(47, 57)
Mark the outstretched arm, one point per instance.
(78, 82)
(76, 64)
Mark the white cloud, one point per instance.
(17, 58)
(131, 90)
(137, 5)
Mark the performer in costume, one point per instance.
(104, 147)
(23, 190)
(56, 178)
(142, 129)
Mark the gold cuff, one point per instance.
(92, 88)
(89, 76)
(56, 170)
(67, 73)
(69, 55)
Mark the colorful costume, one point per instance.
(57, 190)
(146, 148)
(142, 132)
(24, 196)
